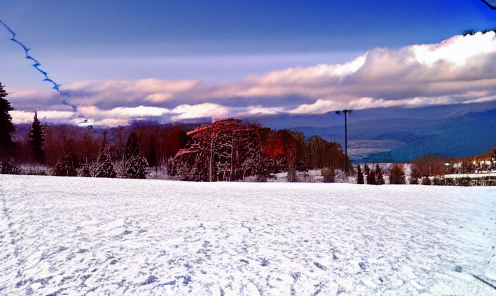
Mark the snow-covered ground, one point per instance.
(90, 236)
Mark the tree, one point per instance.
(36, 139)
(105, 168)
(397, 175)
(378, 175)
(135, 162)
(366, 169)
(7, 146)
(132, 148)
(360, 175)
(371, 178)
(294, 146)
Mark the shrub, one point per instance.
(426, 181)
(437, 181)
(10, 167)
(36, 170)
(465, 181)
(449, 182)
(329, 175)
(65, 167)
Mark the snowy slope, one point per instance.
(75, 236)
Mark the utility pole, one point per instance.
(345, 129)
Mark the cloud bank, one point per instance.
(458, 70)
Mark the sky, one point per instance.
(179, 60)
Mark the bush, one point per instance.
(36, 170)
(426, 181)
(437, 181)
(449, 182)
(465, 181)
(65, 167)
(10, 167)
(329, 175)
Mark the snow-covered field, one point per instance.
(89, 236)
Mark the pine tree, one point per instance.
(105, 168)
(135, 162)
(378, 175)
(360, 175)
(36, 139)
(371, 178)
(132, 148)
(7, 146)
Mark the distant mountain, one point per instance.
(402, 134)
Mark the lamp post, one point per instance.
(345, 129)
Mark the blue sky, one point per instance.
(187, 59)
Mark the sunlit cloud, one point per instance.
(458, 70)
(199, 111)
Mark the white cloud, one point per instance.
(458, 70)
(123, 112)
(52, 116)
(455, 50)
(481, 100)
(110, 93)
(198, 111)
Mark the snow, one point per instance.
(75, 236)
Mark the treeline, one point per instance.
(230, 150)
(78, 151)
(227, 150)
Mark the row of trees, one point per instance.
(231, 150)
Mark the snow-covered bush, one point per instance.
(35, 169)
(65, 167)
(328, 174)
(10, 166)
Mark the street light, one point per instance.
(345, 129)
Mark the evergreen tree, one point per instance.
(371, 178)
(7, 146)
(378, 174)
(135, 162)
(136, 167)
(132, 148)
(36, 139)
(105, 168)
(360, 176)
